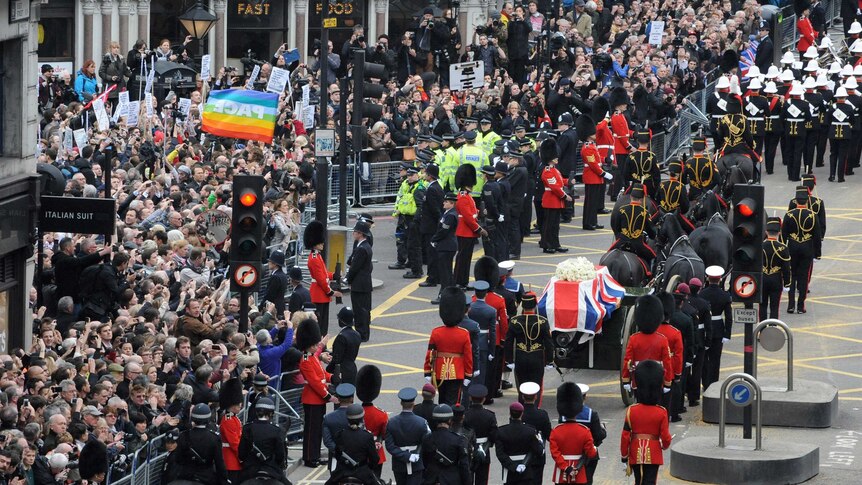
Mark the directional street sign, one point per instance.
(741, 394)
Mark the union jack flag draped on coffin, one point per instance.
(581, 306)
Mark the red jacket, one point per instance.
(320, 290)
(643, 346)
(498, 303)
(230, 430)
(451, 352)
(604, 141)
(621, 133)
(567, 443)
(554, 197)
(645, 434)
(592, 164)
(315, 391)
(807, 34)
(375, 422)
(674, 341)
(468, 216)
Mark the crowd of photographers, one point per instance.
(129, 334)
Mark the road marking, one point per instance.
(416, 298)
(829, 335)
(408, 312)
(401, 373)
(397, 342)
(398, 330)
(389, 364)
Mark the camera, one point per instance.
(250, 60)
(480, 29)
(677, 41)
(430, 24)
(228, 69)
(380, 47)
(360, 39)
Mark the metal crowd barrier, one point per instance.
(382, 182)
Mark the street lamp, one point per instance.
(198, 20)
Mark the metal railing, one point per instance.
(382, 182)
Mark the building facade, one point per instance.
(19, 197)
(73, 31)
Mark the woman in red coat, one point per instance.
(321, 293)
(315, 394)
(645, 430)
(807, 34)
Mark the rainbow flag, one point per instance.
(242, 114)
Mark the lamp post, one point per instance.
(198, 21)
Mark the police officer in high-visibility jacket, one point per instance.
(407, 210)
(447, 162)
(489, 137)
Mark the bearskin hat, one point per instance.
(315, 233)
(570, 401)
(548, 150)
(668, 305)
(585, 127)
(729, 61)
(230, 393)
(601, 108)
(465, 176)
(618, 97)
(487, 269)
(649, 379)
(368, 383)
(648, 313)
(453, 306)
(307, 334)
(800, 6)
(93, 459)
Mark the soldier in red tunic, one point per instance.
(553, 202)
(321, 293)
(645, 430)
(604, 140)
(468, 229)
(594, 176)
(571, 443)
(368, 382)
(230, 427)
(315, 394)
(449, 359)
(619, 103)
(646, 344)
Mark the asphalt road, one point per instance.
(828, 340)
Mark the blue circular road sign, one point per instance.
(741, 393)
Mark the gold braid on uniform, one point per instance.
(735, 124)
(630, 231)
(769, 267)
(804, 225)
(530, 343)
(703, 172)
(672, 194)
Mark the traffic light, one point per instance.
(246, 232)
(747, 242)
(361, 89)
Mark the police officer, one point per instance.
(631, 225)
(519, 181)
(487, 136)
(359, 278)
(199, 450)
(773, 127)
(400, 230)
(643, 166)
(494, 216)
(702, 316)
(345, 348)
(262, 448)
(450, 160)
(776, 269)
(405, 433)
(537, 418)
(568, 152)
(444, 452)
(260, 388)
(472, 154)
(355, 451)
(700, 171)
(483, 422)
(529, 348)
(409, 214)
(802, 235)
(278, 283)
(445, 243)
(841, 118)
(299, 294)
(518, 446)
(571, 442)
(501, 169)
(796, 115)
(718, 333)
(589, 418)
(432, 210)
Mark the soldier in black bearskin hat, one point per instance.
(449, 359)
(321, 291)
(571, 438)
(594, 174)
(93, 462)
(645, 430)
(619, 103)
(468, 223)
(547, 151)
(315, 394)
(368, 382)
(230, 426)
(646, 344)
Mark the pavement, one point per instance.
(827, 340)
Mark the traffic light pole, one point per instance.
(342, 153)
(321, 198)
(748, 368)
(243, 311)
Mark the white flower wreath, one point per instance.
(576, 269)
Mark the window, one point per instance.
(346, 13)
(260, 26)
(57, 31)
(164, 24)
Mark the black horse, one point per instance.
(708, 204)
(713, 242)
(736, 169)
(627, 268)
(681, 260)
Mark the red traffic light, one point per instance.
(248, 199)
(746, 207)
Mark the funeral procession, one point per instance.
(411, 242)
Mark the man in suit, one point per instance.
(444, 242)
(345, 348)
(300, 295)
(765, 50)
(517, 179)
(359, 279)
(432, 208)
(277, 286)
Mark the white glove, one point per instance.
(466, 382)
(490, 357)
(608, 176)
(706, 348)
(627, 387)
(549, 366)
(414, 457)
(476, 374)
(688, 364)
(501, 218)
(521, 468)
(666, 390)
(858, 11)
(725, 340)
(428, 379)
(433, 245)
(511, 366)
(786, 289)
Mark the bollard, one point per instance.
(722, 411)
(774, 323)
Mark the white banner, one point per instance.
(205, 67)
(278, 80)
(185, 104)
(466, 75)
(656, 30)
(251, 79)
(101, 115)
(149, 100)
(80, 137)
(132, 110)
